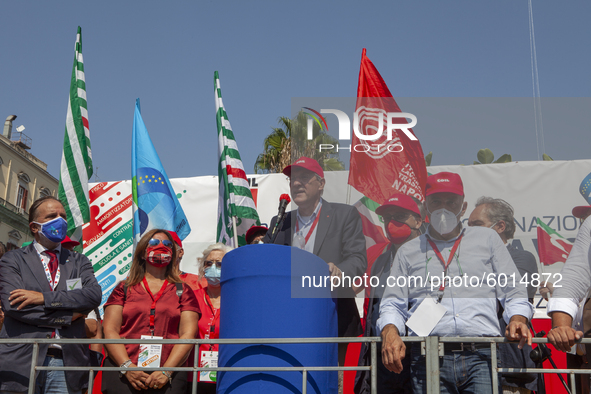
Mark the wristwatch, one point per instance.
(125, 365)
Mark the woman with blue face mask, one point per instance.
(208, 297)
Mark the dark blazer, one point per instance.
(22, 269)
(339, 240)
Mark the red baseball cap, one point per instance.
(399, 200)
(176, 239)
(307, 164)
(444, 182)
(69, 243)
(581, 211)
(251, 233)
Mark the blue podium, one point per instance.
(257, 302)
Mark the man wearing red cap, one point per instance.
(433, 303)
(402, 216)
(331, 231)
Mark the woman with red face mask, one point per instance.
(152, 303)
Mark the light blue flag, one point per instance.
(155, 204)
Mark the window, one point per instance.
(21, 198)
(24, 177)
(44, 192)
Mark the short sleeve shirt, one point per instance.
(136, 314)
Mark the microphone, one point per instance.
(284, 201)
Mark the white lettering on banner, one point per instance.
(548, 190)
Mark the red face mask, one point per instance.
(398, 232)
(159, 256)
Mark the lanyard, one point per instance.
(154, 301)
(52, 283)
(445, 265)
(312, 227)
(214, 319)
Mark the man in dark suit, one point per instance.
(331, 231)
(498, 214)
(45, 292)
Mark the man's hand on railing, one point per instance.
(393, 349)
(517, 329)
(562, 335)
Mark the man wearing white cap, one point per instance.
(450, 251)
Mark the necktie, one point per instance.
(53, 262)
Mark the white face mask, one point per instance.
(443, 221)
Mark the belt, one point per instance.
(55, 352)
(464, 347)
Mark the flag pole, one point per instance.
(235, 232)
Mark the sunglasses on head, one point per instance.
(156, 242)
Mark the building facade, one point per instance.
(23, 179)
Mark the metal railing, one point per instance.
(433, 349)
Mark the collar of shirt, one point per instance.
(40, 249)
(306, 223)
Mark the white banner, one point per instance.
(545, 189)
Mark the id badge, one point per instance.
(74, 284)
(209, 359)
(425, 317)
(150, 355)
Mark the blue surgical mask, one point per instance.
(213, 274)
(55, 230)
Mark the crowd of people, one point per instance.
(49, 291)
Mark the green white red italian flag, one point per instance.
(76, 167)
(236, 208)
(552, 247)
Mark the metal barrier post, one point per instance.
(432, 361)
(90, 380)
(195, 364)
(374, 368)
(493, 365)
(573, 383)
(33, 364)
(304, 381)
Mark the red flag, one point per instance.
(383, 166)
(552, 247)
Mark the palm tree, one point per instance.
(290, 141)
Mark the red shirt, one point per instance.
(206, 320)
(193, 280)
(136, 314)
(210, 318)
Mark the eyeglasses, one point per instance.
(303, 178)
(209, 263)
(156, 242)
(399, 217)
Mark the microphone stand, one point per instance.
(540, 354)
(278, 225)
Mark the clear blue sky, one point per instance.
(268, 52)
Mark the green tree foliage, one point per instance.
(485, 156)
(289, 141)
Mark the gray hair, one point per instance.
(421, 207)
(498, 210)
(217, 246)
